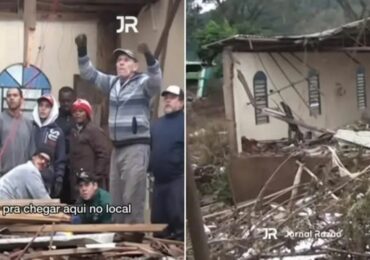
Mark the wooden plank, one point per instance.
(244, 83)
(103, 2)
(161, 48)
(48, 16)
(90, 228)
(126, 253)
(107, 42)
(163, 51)
(66, 252)
(28, 202)
(166, 29)
(29, 19)
(281, 116)
(145, 248)
(33, 218)
(166, 241)
(228, 90)
(29, 15)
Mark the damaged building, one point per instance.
(320, 77)
(297, 115)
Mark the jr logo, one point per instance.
(127, 22)
(269, 233)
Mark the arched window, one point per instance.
(260, 96)
(361, 88)
(314, 99)
(31, 80)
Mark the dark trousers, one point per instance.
(48, 178)
(65, 196)
(168, 208)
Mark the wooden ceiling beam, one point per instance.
(103, 2)
(88, 8)
(64, 16)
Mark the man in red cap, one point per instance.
(48, 133)
(89, 147)
(129, 95)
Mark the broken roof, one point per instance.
(354, 35)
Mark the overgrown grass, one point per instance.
(209, 151)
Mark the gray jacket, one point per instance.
(23, 182)
(16, 141)
(129, 109)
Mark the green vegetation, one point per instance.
(265, 17)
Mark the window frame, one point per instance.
(361, 100)
(314, 95)
(261, 97)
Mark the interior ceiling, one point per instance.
(123, 7)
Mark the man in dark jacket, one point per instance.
(129, 95)
(66, 97)
(48, 133)
(89, 147)
(167, 165)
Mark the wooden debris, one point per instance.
(145, 248)
(66, 252)
(33, 218)
(89, 228)
(334, 206)
(124, 253)
(282, 116)
(36, 202)
(166, 241)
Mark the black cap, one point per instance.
(44, 150)
(84, 176)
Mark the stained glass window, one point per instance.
(31, 80)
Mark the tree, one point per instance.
(268, 18)
(212, 32)
(350, 12)
(194, 21)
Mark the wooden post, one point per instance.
(161, 47)
(29, 19)
(107, 42)
(194, 216)
(228, 89)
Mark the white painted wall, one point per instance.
(55, 50)
(56, 55)
(11, 44)
(335, 70)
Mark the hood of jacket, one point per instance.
(54, 113)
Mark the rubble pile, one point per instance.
(327, 217)
(41, 236)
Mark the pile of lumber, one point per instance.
(15, 218)
(36, 236)
(324, 218)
